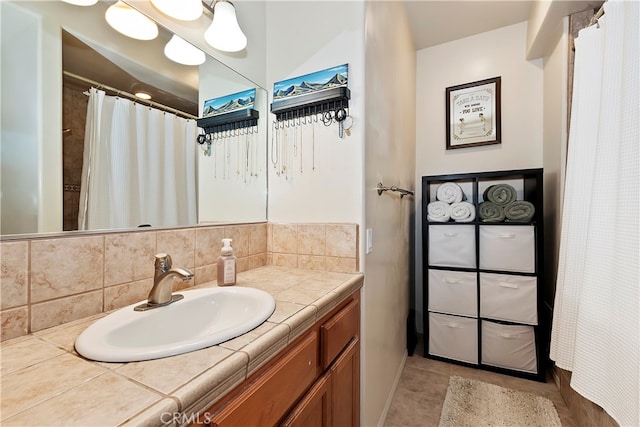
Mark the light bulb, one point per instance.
(224, 33)
(142, 95)
(81, 2)
(183, 52)
(130, 22)
(184, 10)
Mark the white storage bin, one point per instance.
(509, 346)
(452, 246)
(508, 297)
(453, 292)
(453, 337)
(508, 248)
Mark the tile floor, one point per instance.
(423, 386)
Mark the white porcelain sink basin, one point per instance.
(204, 317)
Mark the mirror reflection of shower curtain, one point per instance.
(138, 166)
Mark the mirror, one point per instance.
(40, 170)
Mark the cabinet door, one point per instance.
(265, 402)
(345, 387)
(314, 408)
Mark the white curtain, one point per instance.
(138, 166)
(596, 322)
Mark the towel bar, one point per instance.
(381, 189)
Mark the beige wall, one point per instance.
(554, 159)
(495, 53)
(304, 37)
(389, 150)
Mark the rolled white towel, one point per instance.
(438, 211)
(450, 192)
(463, 212)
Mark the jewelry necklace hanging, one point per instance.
(301, 143)
(274, 146)
(238, 154)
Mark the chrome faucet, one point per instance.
(161, 293)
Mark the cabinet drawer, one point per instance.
(452, 246)
(336, 333)
(275, 392)
(508, 248)
(453, 337)
(509, 346)
(453, 292)
(509, 297)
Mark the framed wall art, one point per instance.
(473, 114)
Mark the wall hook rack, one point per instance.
(329, 101)
(381, 189)
(323, 93)
(231, 121)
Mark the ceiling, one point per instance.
(433, 22)
(81, 59)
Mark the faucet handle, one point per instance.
(163, 261)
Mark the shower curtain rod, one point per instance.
(598, 14)
(130, 96)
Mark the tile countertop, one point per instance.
(46, 383)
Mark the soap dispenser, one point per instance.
(226, 265)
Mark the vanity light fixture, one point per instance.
(183, 10)
(180, 51)
(81, 2)
(128, 21)
(224, 33)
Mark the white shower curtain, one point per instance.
(138, 166)
(596, 322)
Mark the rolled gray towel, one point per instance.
(519, 211)
(490, 212)
(500, 194)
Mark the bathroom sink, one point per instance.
(204, 317)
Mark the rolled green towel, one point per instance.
(490, 212)
(519, 211)
(500, 194)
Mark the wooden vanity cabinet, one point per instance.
(314, 381)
